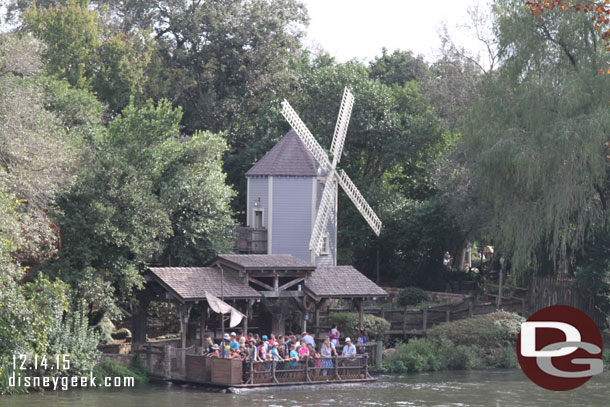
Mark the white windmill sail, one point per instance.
(327, 202)
(329, 195)
(345, 112)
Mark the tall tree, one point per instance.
(149, 194)
(539, 126)
(88, 53)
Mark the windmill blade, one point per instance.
(352, 191)
(345, 111)
(326, 206)
(305, 135)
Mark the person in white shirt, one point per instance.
(349, 350)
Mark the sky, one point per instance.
(360, 28)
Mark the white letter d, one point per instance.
(528, 338)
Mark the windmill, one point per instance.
(333, 176)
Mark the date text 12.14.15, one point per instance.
(35, 362)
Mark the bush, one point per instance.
(482, 342)
(492, 330)
(113, 368)
(412, 296)
(347, 322)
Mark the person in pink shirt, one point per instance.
(303, 351)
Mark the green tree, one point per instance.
(538, 127)
(149, 194)
(38, 144)
(90, 54)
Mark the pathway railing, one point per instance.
(308, 370)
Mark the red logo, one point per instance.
(560, 348)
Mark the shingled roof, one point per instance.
(288, 157)
(342, 282)
(191, 283)
(264, 262)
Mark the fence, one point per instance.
(547, 291)
(405, 321)
(309, 370)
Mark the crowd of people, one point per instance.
(286, 348)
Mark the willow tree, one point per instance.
(537, 131)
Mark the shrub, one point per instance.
(491, 330)
(348, 323)
(412, 296)
(113, 368)
(480, 342)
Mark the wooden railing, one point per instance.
(309, 370)
(407, 321)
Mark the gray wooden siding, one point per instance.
(259, 188)
(328, 259)
(291, 216)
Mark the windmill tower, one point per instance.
(292, 191)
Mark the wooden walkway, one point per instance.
(407, 322)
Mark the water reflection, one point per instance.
(500, 388)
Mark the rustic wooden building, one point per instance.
(282, 288)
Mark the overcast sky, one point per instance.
(360, 28)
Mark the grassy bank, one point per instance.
(483, 342)
(113, 368)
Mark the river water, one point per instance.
(495, 388)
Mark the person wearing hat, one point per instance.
(275, 354)
(349, 350)
(215, 353)
(225, 345)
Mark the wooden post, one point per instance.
(251, 372)
(276, 282)
(167, 359)
(337, 368)
(499, 297)
(379, 355)
(317, 330)
(360, 304)
(425, 319)
(404, 322)
(244, 324)
(184, 312)
(138, 322)
(448, 316)
(307, 369)
(470, 311)
(522, 306)
(148, 357)
(203, 312)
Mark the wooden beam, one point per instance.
(260, 283)
(290, 284)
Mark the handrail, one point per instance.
(307, 370)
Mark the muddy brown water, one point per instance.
(495, 388)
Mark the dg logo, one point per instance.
(560, 348)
